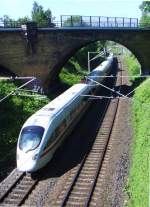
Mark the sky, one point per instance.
(116, 8)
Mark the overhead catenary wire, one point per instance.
(16, 78)
(97, 97)
(125, 96)
(35, 96)
(119, 76)
(144, 106)
(12, 92)
(97, 56)
(112, 90)
(134, 89)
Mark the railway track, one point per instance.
(17, 188)
(80, 187)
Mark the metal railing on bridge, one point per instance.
(83, 21)
(97, 21)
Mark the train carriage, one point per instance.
(45, 130)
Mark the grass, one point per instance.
(132, 65)
(138, 181)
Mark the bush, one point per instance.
(14, 111)
(133, 66)
(72, 73)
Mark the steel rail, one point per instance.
(27, 193)
(87, 203)
(76, 176)
(102, 159)
(5, 194)
(20, 199)
(68, 192)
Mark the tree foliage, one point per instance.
(41, 16)
(23, 20)
(145, 8)
(82, 55)
(75, 21)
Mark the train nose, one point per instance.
(25, 163)
(26, 167)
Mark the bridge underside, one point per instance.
(52, 48)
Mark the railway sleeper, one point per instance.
(26, 182)
(16, 195)
(101, 139)
(11, 201)
(78, 194)
(22, 187)
(87, 175)
(92, 161)
(101, 136)
(82, 185)
(18, 192)
(84, 179)
(81, 188)
(76, 201)
(89, 168)
(96, 154)
(96, 151)
(100, 144)
(91, 165)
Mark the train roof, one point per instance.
(45, 114)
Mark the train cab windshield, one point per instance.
(30, 138)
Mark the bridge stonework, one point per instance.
(53, 47)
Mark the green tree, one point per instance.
(6, 21)
(23, 20)
(145, 8)
(82, 55)
(39, 15)
(75, 21)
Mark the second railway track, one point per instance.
(80, 188)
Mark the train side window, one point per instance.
(57, 132)
(50, 140)
(60, 128)
(71, 114)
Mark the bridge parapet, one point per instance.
(73, 21)
(97, 21)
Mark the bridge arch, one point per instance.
(133, 44)
(54, 46)
(6, 72)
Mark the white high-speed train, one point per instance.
(45, 130)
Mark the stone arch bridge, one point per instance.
(46, 50)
